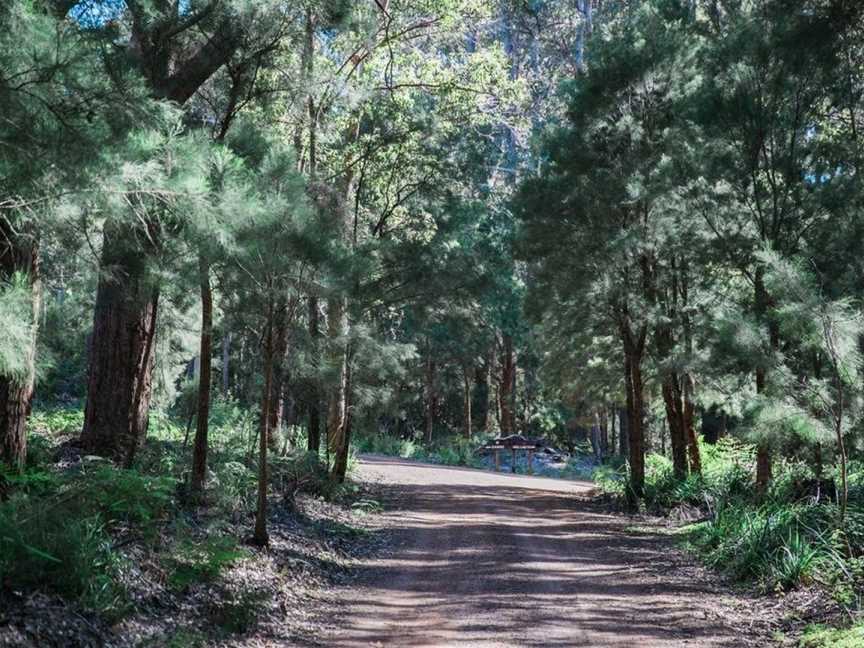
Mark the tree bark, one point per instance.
(466, 385)
(122, 351)
(763, 450)
(226, 360)
(276, 405)
(623, 430)
(261, 537)
(314, 424)
(505, 391)
(19, 253)
(634, 350)
(675, 420)
(604, 432)
(480, 405)
(124, 329)
(431, 397)
(340, 458)
(337, 324)
(199, 452)
(596, 446)
(690, 427)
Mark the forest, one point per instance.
(274, 275)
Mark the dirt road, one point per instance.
(486, 559)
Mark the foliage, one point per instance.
(202, 561)
(816, 636)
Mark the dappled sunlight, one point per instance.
(504, 561)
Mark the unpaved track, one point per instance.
(488, 559)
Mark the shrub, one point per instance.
(775, 544)
(41, 547)
(61, 542)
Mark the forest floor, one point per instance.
(492, 559)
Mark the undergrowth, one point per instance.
(450, 451)
(64, 522)
(792, 536)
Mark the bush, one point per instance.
(778, 544)
(822, 637)
(60, 541)
(41, 547)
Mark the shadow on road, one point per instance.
(500, 564)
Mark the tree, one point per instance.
(175, 62)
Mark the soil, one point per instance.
(493, 559)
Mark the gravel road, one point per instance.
(487, 559)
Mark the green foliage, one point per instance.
(817, 636)
(56, 530)
(54, 548)
(777, 544)
(201, 561)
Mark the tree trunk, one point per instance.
(122, 351)
(613, 432)
(636, 440)
(675, 420)
(634, 347)
(763, 451)
(340, 458)
(124, 321)
(596, 446)
(199, 453)
(604, 432)
(277, 396)
(19, 253)
(226, 360)
(505, 391)
(480, 405)
(261, 537)
(690, 427)
(337, 324)
(314, 427)
(623, 430)
(431, 398)
(466, 383)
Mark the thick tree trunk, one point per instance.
(199, 452)
(124, 329)
(675, 420)
(122, 351)
(19, 253)
(623, 431)
(690, 427)
(634, 349)
(314, 424)
(480, 398)
(604, 432)
(505, 390)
